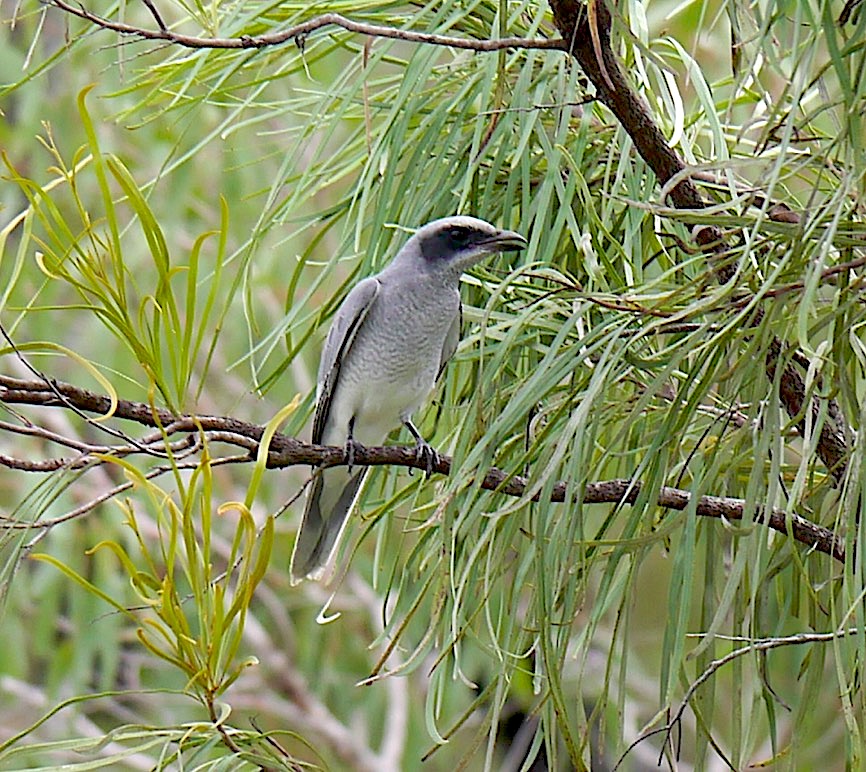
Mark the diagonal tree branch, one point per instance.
(288, 451)
(586, 27)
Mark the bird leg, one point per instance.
(352, 446)
(424, 451)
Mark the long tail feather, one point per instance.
(329, 503)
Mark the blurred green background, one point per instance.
(527, 636)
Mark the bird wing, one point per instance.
(350, 316)
(451, 340)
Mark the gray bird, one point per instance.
(389, 342)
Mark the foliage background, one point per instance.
(525, 631)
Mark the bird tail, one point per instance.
(331, 498)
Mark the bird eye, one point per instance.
(458, 236)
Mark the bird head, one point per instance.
(456, 243)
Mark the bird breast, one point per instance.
(391, 367)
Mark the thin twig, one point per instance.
(753, 646)
(32, 430)
(795, 286)
(219, 725)
(89, 452)
(299, 32)
(156, 15)
(79, 511)
(50, 387)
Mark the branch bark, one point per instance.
(289, 451)
(298, 33)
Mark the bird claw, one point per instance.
(427, 455)
(352, 447)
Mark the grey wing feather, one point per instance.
(333, 493)
(451, 341)
(344, 328)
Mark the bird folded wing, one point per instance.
(343, 331)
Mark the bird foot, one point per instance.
(427, 455)
(352, 447)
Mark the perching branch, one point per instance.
(288, 451)
(298, 32)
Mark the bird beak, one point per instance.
(505, 241)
